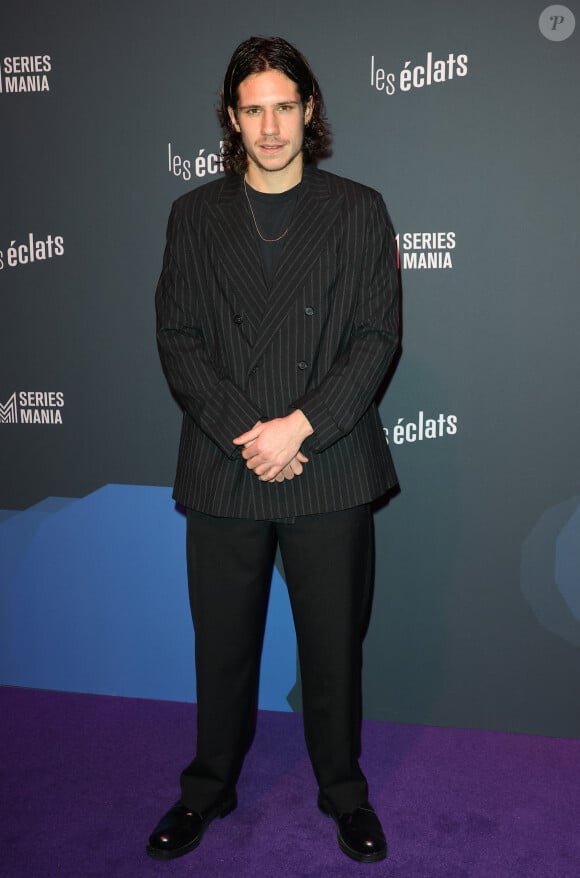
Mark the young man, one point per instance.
(278, 317)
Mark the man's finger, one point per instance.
(250, 436)
(250, 451)
(296, 467)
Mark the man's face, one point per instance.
(271, 120)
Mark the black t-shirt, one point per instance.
(273, 213)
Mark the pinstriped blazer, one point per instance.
(320, 339)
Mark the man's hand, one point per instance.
(294, 468)
(270, 447)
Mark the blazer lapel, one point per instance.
(315, 213)
(231, 223)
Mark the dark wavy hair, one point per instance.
(255, 55)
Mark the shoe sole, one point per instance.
(224, 810)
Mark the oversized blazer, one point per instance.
(320, 339)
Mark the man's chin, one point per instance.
(274, 164)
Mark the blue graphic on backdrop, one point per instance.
(567, 570)
(550, 574)
(94, 599)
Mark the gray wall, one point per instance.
(477, 610)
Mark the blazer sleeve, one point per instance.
(347, 390)
(216, 404)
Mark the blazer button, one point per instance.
(302, 365)
(238, 319)
(309, 311)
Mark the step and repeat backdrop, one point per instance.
(465, 117)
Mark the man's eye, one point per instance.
(286, 107)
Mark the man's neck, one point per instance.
(274, 182)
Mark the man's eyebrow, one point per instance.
(274, 104)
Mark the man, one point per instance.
(277, 320)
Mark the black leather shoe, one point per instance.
(360, 834)
(181, 830)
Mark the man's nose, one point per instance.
(269, 122)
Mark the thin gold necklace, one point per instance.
(262, 238)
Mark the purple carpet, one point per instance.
(85, 778)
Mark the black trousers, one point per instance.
(328, 562)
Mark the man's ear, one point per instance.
(309, 110)
(233, 119)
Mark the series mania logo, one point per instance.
(33, 407)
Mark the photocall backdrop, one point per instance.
(465, 116)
